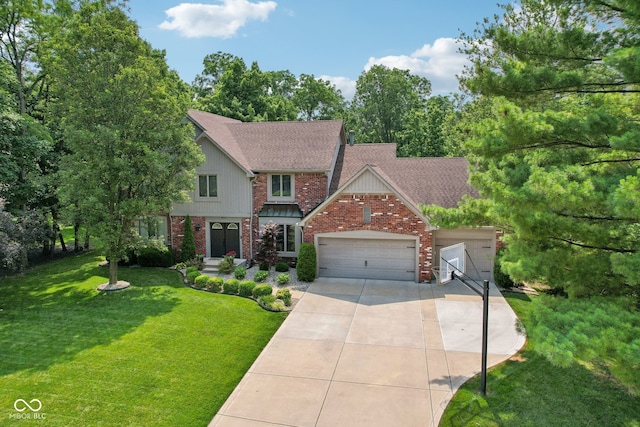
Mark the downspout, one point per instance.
(251, 181)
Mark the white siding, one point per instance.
(234, 188)
(367, 183)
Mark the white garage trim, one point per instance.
(480, 245)
(367, 254)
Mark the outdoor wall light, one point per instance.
(197, 227)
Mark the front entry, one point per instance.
(225, 237)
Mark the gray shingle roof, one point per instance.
(274, 146)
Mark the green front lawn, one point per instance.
(155, 354)
(529, 391)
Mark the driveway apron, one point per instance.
(358, 352)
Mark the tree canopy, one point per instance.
(122, 111)
(558, 157)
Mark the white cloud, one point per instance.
(215, 20)
(346, 85)
(440, 63)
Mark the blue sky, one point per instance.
(335, 40)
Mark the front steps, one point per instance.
(210, 267)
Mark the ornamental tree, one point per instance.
(122, 111)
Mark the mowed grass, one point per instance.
(155, 354)
(529, 391)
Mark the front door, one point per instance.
(225, 237)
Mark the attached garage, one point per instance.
(480, 245)
(367, 255)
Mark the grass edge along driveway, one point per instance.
(158, 353)
(528, 390)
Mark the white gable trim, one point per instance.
(367, 169)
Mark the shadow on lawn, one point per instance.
(50, 314)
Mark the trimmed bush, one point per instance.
(283, 278)
(285, 296)
(191, 277)
(261, 276)
(282, 267)
(226, 265)
(188, 247)
(150, 256)
(191, 269)
(264, 266)
(262, 290)
(201, 281)
(231, 286)
(306, 267)
(214, 284)
(270, 303)
(246, 288)
(240, 273)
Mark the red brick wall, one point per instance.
(388, 214)
(310, 191)
(177, 232)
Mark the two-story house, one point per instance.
(359, 204)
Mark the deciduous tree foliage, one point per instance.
(558, 160)
(122, 111)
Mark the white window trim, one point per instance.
(197, 190)
(290, 222)
(272, 198)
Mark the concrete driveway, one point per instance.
(370, 353)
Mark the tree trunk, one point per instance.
(86, 239)
(113, 271)
(76, 237)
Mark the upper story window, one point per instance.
(280, 187)
(207, 186)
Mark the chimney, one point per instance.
(351, 138)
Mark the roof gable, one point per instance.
(274, 146)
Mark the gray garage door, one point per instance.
(367, 258)
(480, 247)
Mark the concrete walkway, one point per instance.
(370, 353)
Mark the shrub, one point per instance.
(501, 279)
(194, 262)
(306, 267)
(261, 276)
(231, 286)
(264, 266)
(283, 278)
(191, 269)
(262, 290)
(246, 288)
(282, 267)
(201, 281)
(268, 252)
(188, 247)
(152, 256)
(214, 284)
(270, 303)
(191, 277)
(180, 266)
(226, 266)
(285, 296)
(240, 273)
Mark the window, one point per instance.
(286, 238)
(366, 214)
(151, 227)
(208, 186)
(281, 186)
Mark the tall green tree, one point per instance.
(317, 99)
(558, 159)
(122, 111)
(423, 132)
(384, 100)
